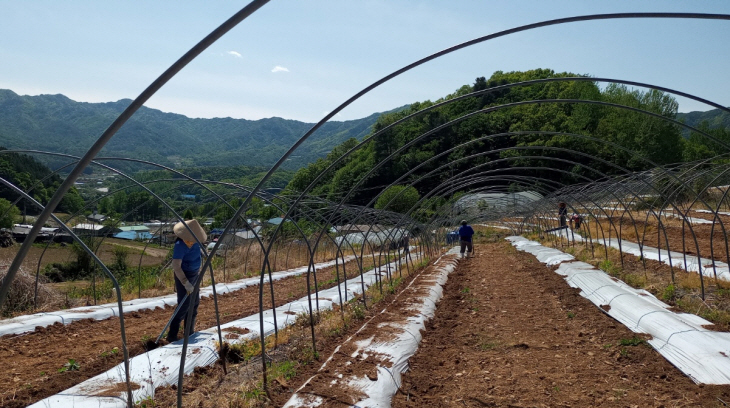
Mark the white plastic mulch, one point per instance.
(160, 367)
(28, 323)
(701, 354)
(712, 212)
(692, 220)
(690, 263)
(391, 349)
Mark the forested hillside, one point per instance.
(513, 135)
(714, 118)
(132, 203)
(58, 124)
(35, 179)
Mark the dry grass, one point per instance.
(484, 235)
(80, 292)
(22, 292)
(237, 263)
(247, 260)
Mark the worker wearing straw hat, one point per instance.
(186, 260)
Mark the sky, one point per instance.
(299, 59)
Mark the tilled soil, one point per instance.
(33, 363)
(510, 332)
(351, 361)
(209, 387)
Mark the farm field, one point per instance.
(509, 332)
(675, 235)
(711, 241)
(154, 278)
(324, 236)
(56, 253)
(35, 361)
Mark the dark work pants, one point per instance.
(182, 313)
(466, 245)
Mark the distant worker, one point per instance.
(186, 261)
(577, 220)
(563, 214)
(465, 234)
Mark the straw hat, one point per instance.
(184, 234)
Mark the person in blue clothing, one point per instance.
(465, 234)
(186, 261)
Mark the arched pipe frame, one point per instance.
(200, 183)
(252, 7)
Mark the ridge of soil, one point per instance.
(209, 387)
(354, 360)
(32, 361)
(510, 332)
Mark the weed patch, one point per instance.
(71, 365)
(634, 341)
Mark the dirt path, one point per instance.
(509, 332)
(31, 362)
(151, 251)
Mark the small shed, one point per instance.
(91, 229)
(134, 232)
(275, 221)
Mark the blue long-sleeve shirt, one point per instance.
(465, 233)
(190, 257)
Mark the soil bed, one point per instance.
(510, 332)
(209, 387)
(32, 361)
(679, 240)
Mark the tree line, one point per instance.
(34, 178)
(576, 140)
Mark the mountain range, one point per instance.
(715, 118)
(55, 123)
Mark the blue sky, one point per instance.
(299, 59)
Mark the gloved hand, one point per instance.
(188, 287)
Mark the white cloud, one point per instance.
(235, 54)
(279, 68)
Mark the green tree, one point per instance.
(120, 264)
(105, 205)
(644, 137)
(26, 173)
(649, 137)
(268, 212)
(700, 147)
(8, 213)
(119, 201)
(71, 202)
(398, 198)
(84, 263)
(306, 175)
